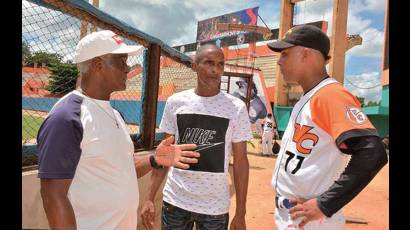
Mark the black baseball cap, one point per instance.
(303, 35)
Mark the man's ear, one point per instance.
(98, 63)
(194, 65)
(306, 52)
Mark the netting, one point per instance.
(174, 77)
(49, 37)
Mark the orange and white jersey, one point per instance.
(309, 160)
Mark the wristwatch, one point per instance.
(153, 163)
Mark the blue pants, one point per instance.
(174, 218)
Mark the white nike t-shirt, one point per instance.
(212, 123)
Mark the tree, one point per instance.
(373, 103)
(25, 51)
(44, 57)
(361, 100)
(63, 78)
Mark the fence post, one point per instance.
(150, 96)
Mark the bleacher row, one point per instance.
(265, 63)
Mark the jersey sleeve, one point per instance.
(168, 121)
(241, 126)
(338, 112)
(59, 151)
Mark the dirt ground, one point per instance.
(371, 204)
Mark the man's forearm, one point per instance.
(142, 165)
(241, 177)
(59, 212)
(157, 177)
(368, 157)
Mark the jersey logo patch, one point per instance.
(356, 115)
(302, 134)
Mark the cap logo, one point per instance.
(287, 33)
(117, 39)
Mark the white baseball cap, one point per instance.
(101, 43)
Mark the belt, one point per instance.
(283, 203)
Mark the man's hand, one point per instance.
(307, 209)
(168, 154)
(238, 223)
(148, 214)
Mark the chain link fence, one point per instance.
(49, 37)
(174, 77)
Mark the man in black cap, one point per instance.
(313, 179)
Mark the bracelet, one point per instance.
(154, 163)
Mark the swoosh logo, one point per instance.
(203, 147)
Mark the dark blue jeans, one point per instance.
(174, 218)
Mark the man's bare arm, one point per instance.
(241, 177)
(60, 213)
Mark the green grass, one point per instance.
(30, 126)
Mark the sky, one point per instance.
(175, 23)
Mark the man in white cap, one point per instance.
(87, 166)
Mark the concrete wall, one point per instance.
(34, 217)
(143, 184)
(282, 115)
(381, 123)
(385, 96)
